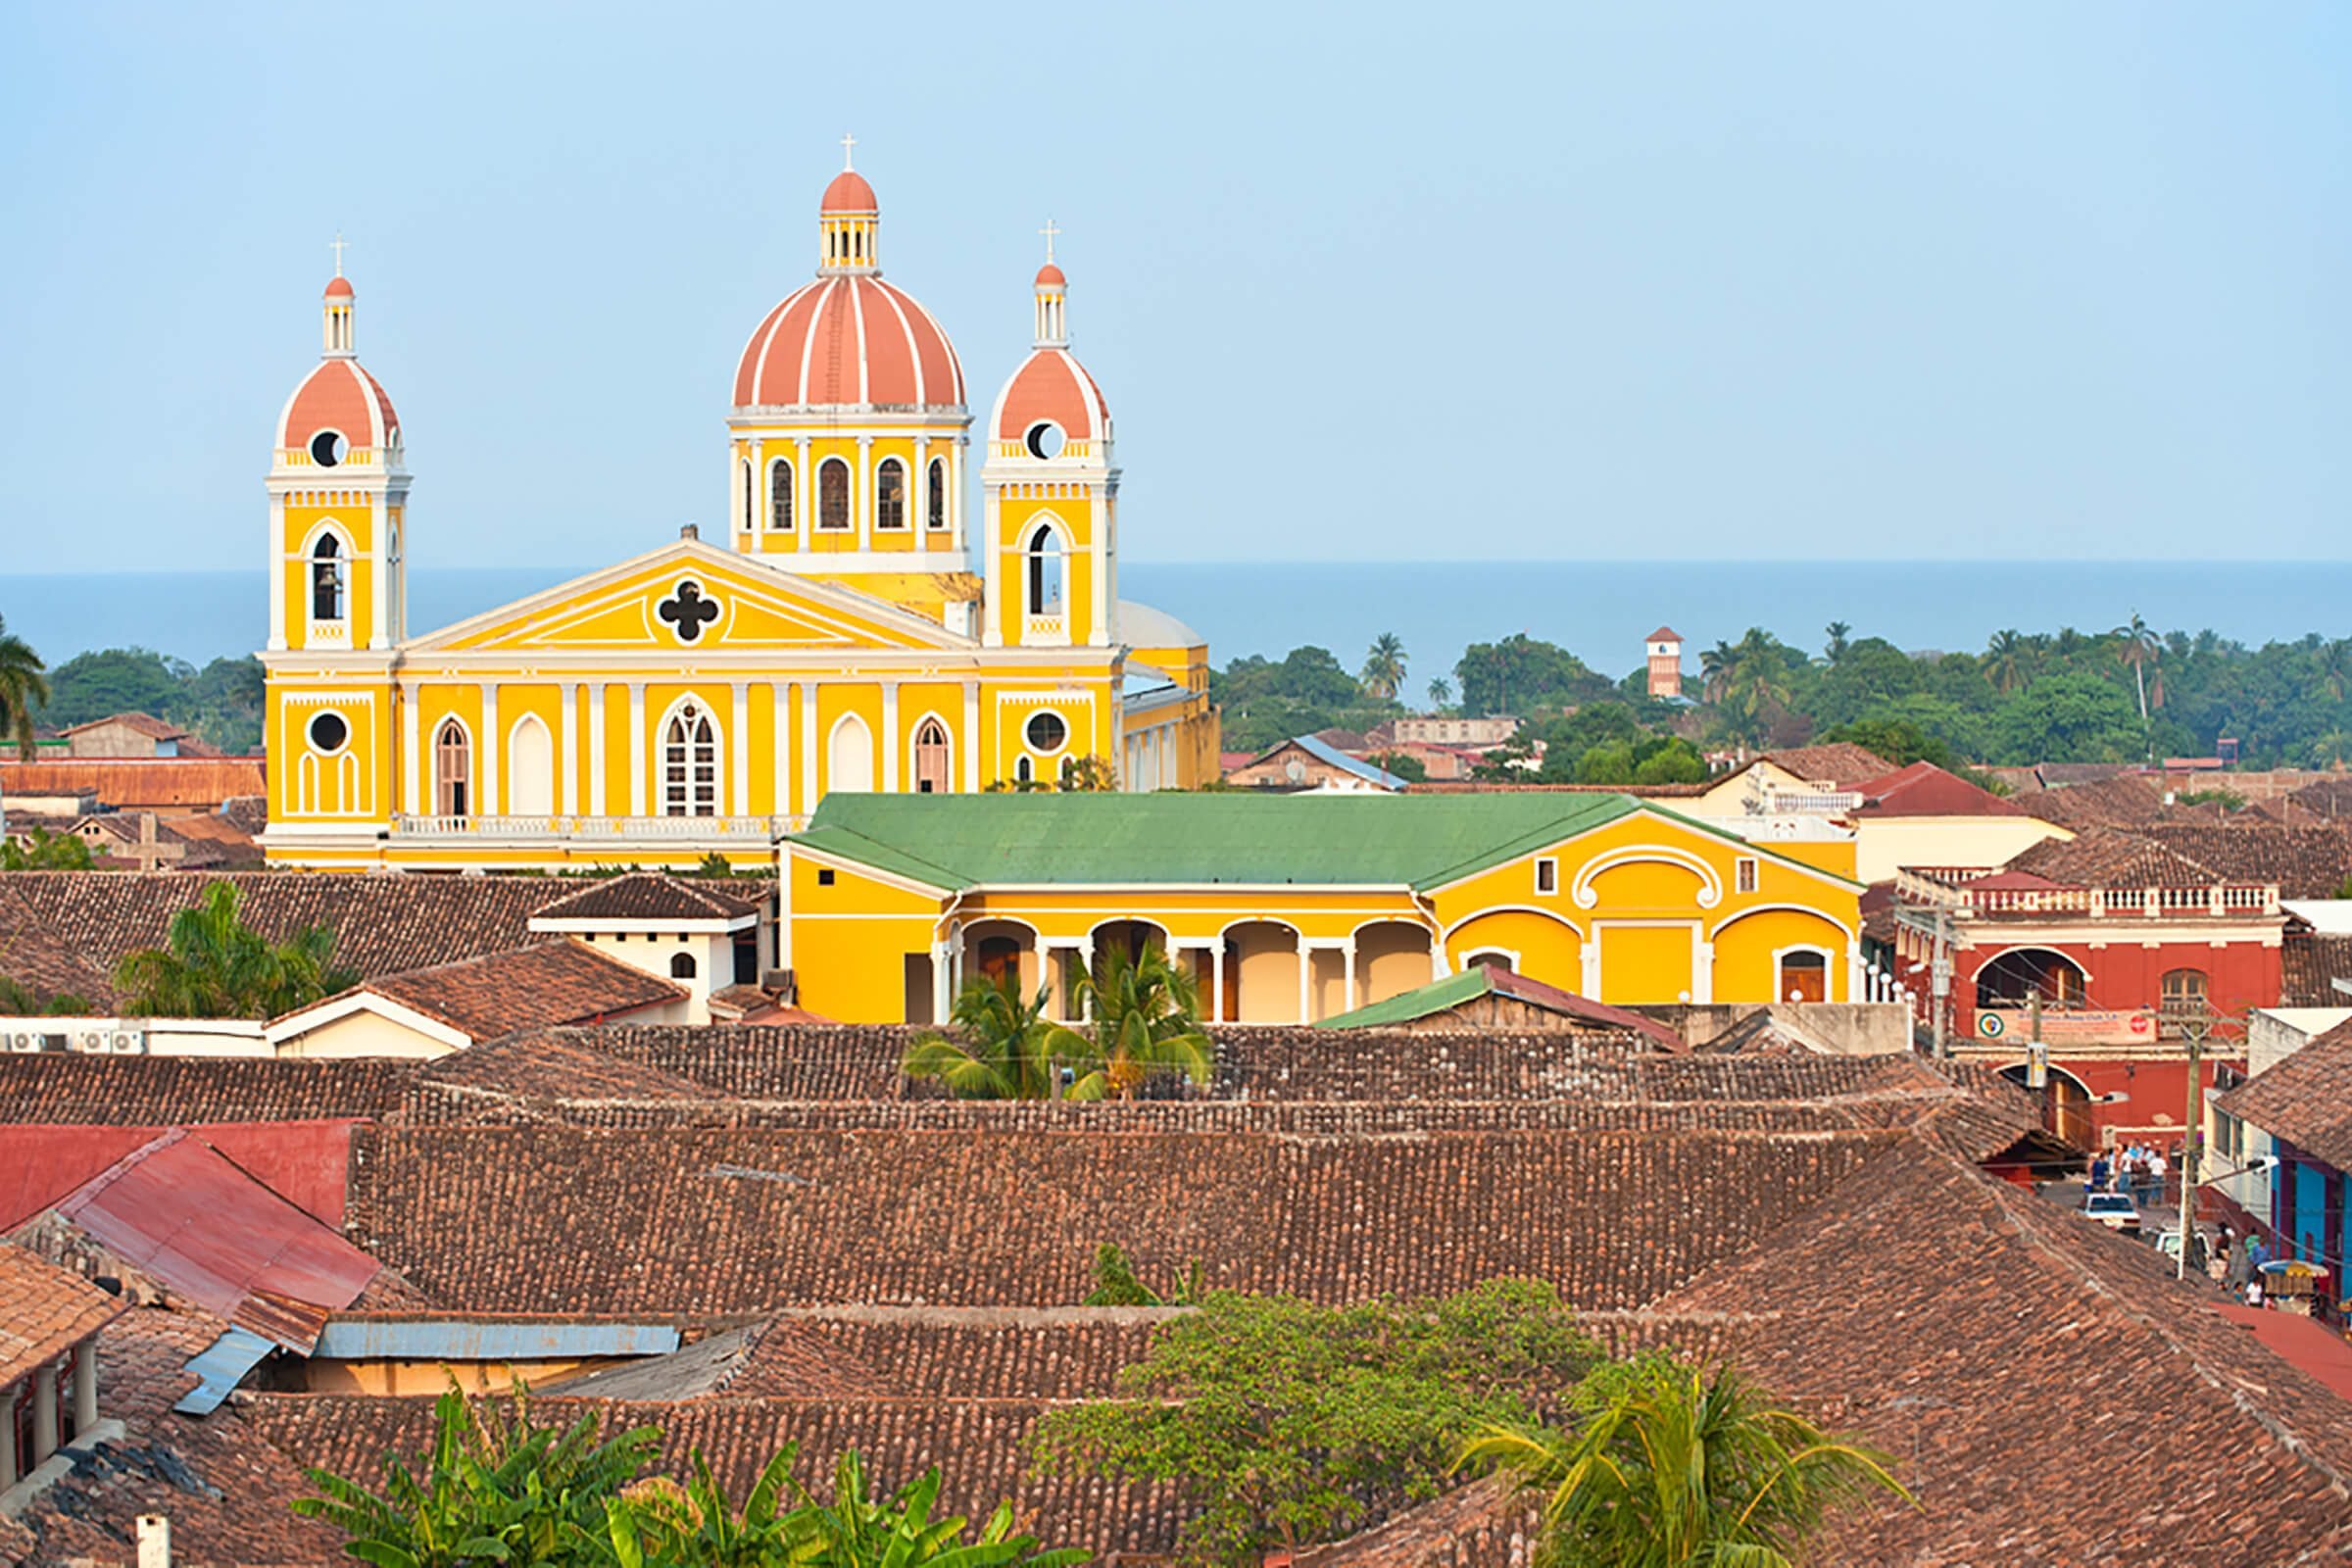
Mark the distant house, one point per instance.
(1489, 997)
(1924, 815)
(2304, 1104)
(1441, 729)
(1309, 763)
(131, 735)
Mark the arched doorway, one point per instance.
(1261, 973)
(995, 948)
(1802, 974)
(2069, 1104)
(2022, 975)
(1392, 958)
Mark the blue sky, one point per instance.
(1383, 283)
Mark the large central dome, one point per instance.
(849, 339)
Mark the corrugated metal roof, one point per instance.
(219, 1367)
(176, 1209)
(461, 1340)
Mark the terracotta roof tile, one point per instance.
(549, 983)
(657, 896)
(1840, 763)
(2109, 857)
(2310, 964)
(2306, 862)
(45, 1310)
(128, 783)
(146, 724)
(2305, 1100)
(181, 1090)
(1924, 790)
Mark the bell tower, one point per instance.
(338, 501)
(1050, 493)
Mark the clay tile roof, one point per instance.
(656, 896)
(1839, 763)
(849, 340)
(44, 1310)
(2311, 962)
(2108, 858)
(2305, 1100)
(2306, 862)
(130, 783)
(561, 982)
(1052, 385)
(172, 1091)
(2124, 800)
(527, 1072)
(42, 960)
(1664, 634)
(146, 724)
(1924, 790)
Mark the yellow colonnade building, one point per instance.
(1290, 910)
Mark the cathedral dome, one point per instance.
(1051, 388)
(849, 339)
(338, 406)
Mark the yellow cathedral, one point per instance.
(857, 630)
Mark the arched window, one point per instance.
(935, 502)
(453, 769)
(779, 496)
(327, 580)
(931, 759)
(890, 494)
(747, 496)
(681, 966)
(690, 765)
(1804, 977)
(2184, 993)
(1045, 571)
(833, 494)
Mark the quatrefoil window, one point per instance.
(687, 611)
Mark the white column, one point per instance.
(803, 486)
(277, 558)
(1857, 985)
(411, 762)
(738, 489)
(44, 1415)
(1702, 970)
(740, 719)
(942, 992)
(492, 742)
(596, 748)
(1591, 966)
(992, 569)
(1216, 981)
(569, 693)
(1098, 551)
(890, 737)
(862, 493)
(919, 494)
(762, 496)
(85, 1387)
(971, 737)
(1086, 967)
(1347, 986)
(637, 748)
(808, 746)
(1306, 977)
(779, 781)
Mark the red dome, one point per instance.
(852, 340)
(1052, 385)
(849, 193)
(338, 287)
(1050, 274)
(341, 397)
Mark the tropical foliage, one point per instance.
(1660, 1465)
(222, 702)
(1117, 1283)
(44, 851)
(24, 687)
(1286, 1424)
(213, 965)
(499, 1488)
(1383, 674)
(20, 1001)
(1141, 1016)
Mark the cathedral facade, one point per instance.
(858, 629)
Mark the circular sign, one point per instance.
(1990, 1025)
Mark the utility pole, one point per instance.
(2194, 1025)
(1940, 984)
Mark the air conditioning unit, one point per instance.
(21, 1040)
(127, 1042)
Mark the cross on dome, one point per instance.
(1050, 232)
(337, 245)
(849, 145)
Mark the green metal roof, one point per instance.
(1438, 997)
(1425, 841)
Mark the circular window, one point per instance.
(328, 449)
(328, 732)
(1046, 732)
(1045, 439)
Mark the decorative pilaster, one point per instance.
(569, 739)
(597, 696)
(491, 744)
(637, 748)
(890, 737)
(738, 720)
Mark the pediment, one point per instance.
(691, 598)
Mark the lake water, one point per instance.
(1601, 611)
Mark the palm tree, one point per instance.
(213, 965)
(1384, 667)
(2335, 667)
(2138, 646)
(857, 1530)
(2007, 661)
(22, 689)
(1662, 1466)
(1715, 666)
(1144, 1017)
(1440, 692)
(1004, 1047)
(1837, 631)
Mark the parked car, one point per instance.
(2115, 1210)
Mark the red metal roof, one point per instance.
(1924, 790)
(304, 1162)
(2299, 1342)
(179, 1210)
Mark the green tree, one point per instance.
(2074, 715)
(2138, 646)
(114, 680)
(1671, 760)
(19, 1001)
(2008, 661)
(1441, 691)
(496, 1486)
(1661, 1465)
(1837, 631)
(1004, 1047)
(213, 965)
(1383, 674)
(1286, 1424)
(1521, 675)
(1144, 1017)
(44, 851)
(23, 690)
